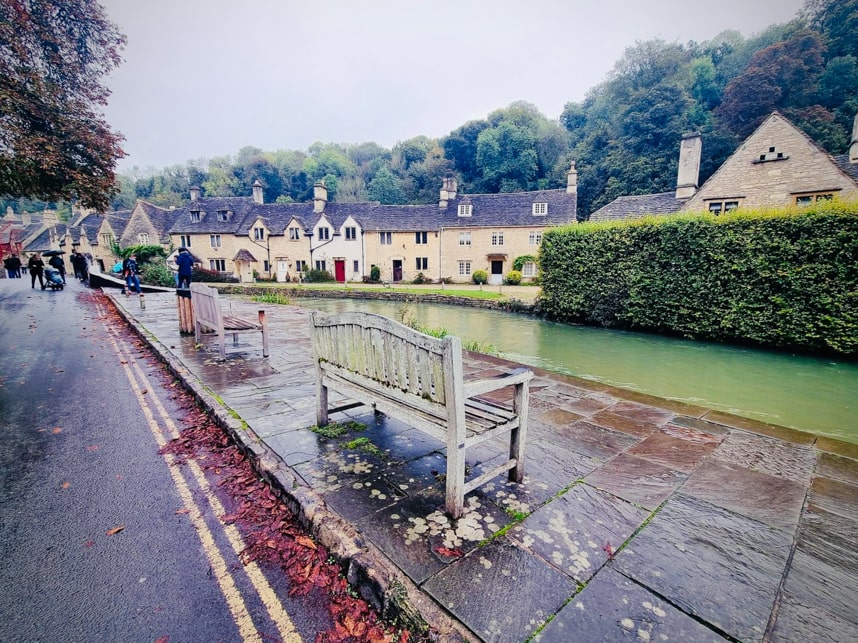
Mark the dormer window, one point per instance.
(324, 234)
(259, 234)
(540, 209)
(465, 209)
(195, 216)
(223, 215)
(294, 234)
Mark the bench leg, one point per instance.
(264, 322)
(321, 403)
(517, 436)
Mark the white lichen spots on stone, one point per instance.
(655, 609)
(404, 487)
(331, 479)
(357, 486)
(394, 516)
(643, 635)
(628, 624)
(557, 558)
(680, 547)
(579, 605)
(485, 562)
(543, 536)
(592, 545)
(506, 572)
(527, 540)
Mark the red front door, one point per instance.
(340, 270)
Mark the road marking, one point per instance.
(232, 595)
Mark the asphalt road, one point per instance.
(102, 539)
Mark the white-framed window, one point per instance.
(185, 240)
(464, 238)
(294, 234)
(464, 268)
(540, 209)
(218, 265)
(717, 207)
(465, 209)
(809, 198)
(385, 238)
(300, 265)
(196, 217)
(534, 237)
(107, 239)
(497, 238)
(422, 263)
(215, 240)
(324, 234)
(143, 238)
(223, 215)
(351, 233)
(528, 269)
(421, 238)
(259, 234)
(320, 264)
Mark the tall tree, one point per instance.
(54, 143)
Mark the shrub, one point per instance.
(203, 275)
(374, 274)
(318, 276)
(420, 279)
(157, 273)
(480, 277)
(513, 277)
(785, 279)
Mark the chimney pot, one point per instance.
(572, 179)
(195, 193)
(258, 198)
(320, 196)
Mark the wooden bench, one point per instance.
(420, 380)
(208, 316)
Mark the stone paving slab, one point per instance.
(639, 518)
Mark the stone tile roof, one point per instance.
(209, 208)
(636, 207)
(44, 242)
(850, 169)
(162, 219)
(244, 255)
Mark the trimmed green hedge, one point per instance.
(786, 279)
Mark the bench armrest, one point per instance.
(478, 387)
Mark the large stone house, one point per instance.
(777, 165)
(452, 239)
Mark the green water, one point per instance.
(810, 394)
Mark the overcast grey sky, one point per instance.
(203, 78)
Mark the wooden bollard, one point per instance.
(186, 311)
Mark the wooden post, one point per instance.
(186, 311)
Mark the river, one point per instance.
(817, 395)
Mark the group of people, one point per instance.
(12, 265)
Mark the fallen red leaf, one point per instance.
(449, 553)
(306, 541)
(115, 530)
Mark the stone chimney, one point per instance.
(449, 187)
(320, 196)
(195, 193)
(50, 218)
(26, 219)
(257, 193)
(689, 166)
(572, 179)
(853, 145)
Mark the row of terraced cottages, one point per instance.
(246, 237)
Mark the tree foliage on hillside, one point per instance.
(54, 144)
(624, 136)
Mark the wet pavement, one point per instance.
(639, 518)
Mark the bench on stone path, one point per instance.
(420, 380)
(208, 316)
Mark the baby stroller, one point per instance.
(53, 279)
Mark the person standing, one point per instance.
(7, 265)
(16, 266)
(37, 269)
(185, 262)
(57, 262)
(130, 270)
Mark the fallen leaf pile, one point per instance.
(273, 535)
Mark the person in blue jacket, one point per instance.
(185, 262)
(130, 269)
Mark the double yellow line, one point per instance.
(163, 430)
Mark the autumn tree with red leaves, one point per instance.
(54, 142)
